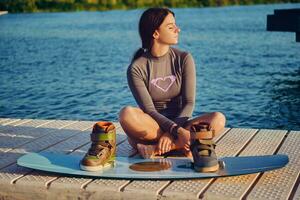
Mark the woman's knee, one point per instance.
(219, 118)
(138, 125)
(126, 112)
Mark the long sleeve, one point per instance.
(143, 98)
(188, 90)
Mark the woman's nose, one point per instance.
(177, 29)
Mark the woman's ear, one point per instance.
(155, 34)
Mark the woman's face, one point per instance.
(168, 32)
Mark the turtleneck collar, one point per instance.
(160, 58)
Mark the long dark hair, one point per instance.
(150, 21)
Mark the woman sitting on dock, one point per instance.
(162, 80)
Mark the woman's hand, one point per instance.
(164, 143)
(183, 140)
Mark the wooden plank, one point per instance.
(12, 178)
(217, 138)
(278, 184)
(79, 143)
(12, 123)
(106, 189)
(36, 183)
(59, 124)
(83, 187)
(8, 121)
(69, 187)
(19, 128)
(80, 125)
(9, 141)
(39, 181)
(3, 119)
(39, 144)
(12, 172)
(8, 174)
(68, 145)
(110, 188)
(143, 188)
(229, 145)
(35, 123)
(14, 136)
(264, 142)
(297, 194)
(7, 189)
(150, 189)
(43, 180)
(18, 135)
(20, 122)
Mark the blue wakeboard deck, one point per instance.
(158, 168)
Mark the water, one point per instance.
(72, 65)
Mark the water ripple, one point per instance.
(73, 65)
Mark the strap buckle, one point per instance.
(202, 131)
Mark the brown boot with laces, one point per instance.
(102, 152)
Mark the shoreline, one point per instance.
(126, 7)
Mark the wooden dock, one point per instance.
(20, 136)
(286, 20)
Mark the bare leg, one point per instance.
(139, 126)
(216, 120)
(143, 131)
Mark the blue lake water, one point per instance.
(73, 65)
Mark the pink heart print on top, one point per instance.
(164, 83)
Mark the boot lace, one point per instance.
(97, 148)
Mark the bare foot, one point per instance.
(146, 151)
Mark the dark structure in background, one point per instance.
(285, 20)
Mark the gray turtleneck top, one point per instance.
(164, 87)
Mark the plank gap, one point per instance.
(84, 185)
(207, 186)
(60, 141)
(39, 137)
(123, 187)
(48, 183)
(252, 186)
(163, 188)
(294, 190)
(261, 174)
(247, 143)
(201, 193)
(222, 134)
(217, 139)
(19, 177)
(281, 143)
